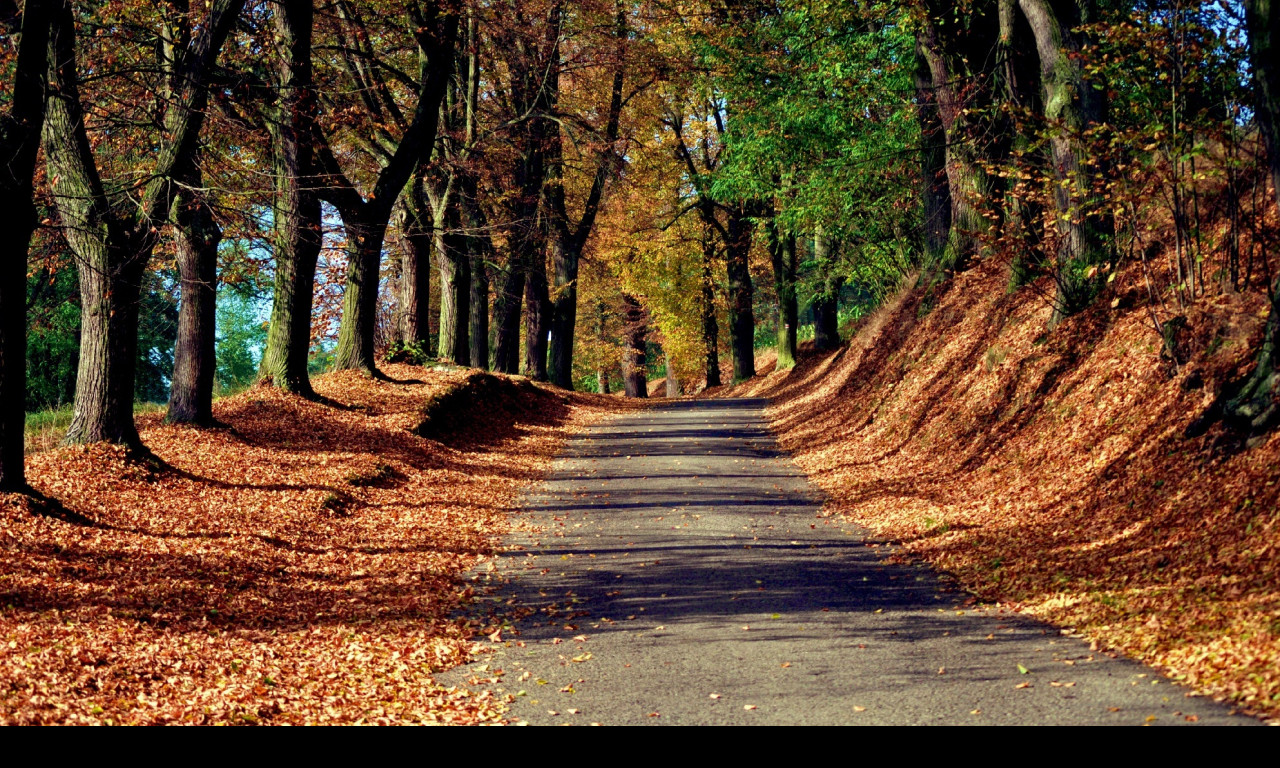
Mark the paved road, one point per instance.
(684, 575)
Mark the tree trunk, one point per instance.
(564, 313)
(109, 292)
(634, 381)
(935, 195)
(477, 253)
(506, 315)
(1254, 406)
(537, 319)
(1071, 106)
(1019, 76)
(415, 271)
(954, 46)
(602, 371)
(297, 238)
(782, 251)
(826, 300)
(355, 349)
(194, 356)
(742, 321)
(455, 288)
(673, 383)
(296, 215)
(710, 327)
(20, 125)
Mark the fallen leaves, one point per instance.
(1058, 482)
(301, 566)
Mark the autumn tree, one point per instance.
(296, 204)
(1253, 404)
(366, 214)
(527, 45)
(20, 123)
(112, 222)
(567, 235)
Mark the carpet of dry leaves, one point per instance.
(1049, 471)
(301, 564)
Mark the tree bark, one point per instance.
(782, 251)
(710, 327)
(20, 125)
(537, 317)
(955, 46)
(602, 370)
(742, 321)
(415, 269)
(455, 287)
(296, 214)
(194, 356)
(114, 234)
(673, 383)
(365, 230)
(826, 301)
(478, 251)
(935, 195)
(1071, 106)
(634, 381)
(506, 314)
(1019, 74)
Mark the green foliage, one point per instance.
(411, 352)
(157, 334)
(821, 121)
(53, 341)
(242, 336)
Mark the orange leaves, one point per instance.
(221, 584)
(1049, 472)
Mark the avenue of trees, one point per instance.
(560, 188)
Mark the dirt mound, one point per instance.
(484, 407)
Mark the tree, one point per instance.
(365, 216)
(1253, 405)
(1074, 104)
(20, 125)
(197, 234)
(296, 206)
(567, 238)
(113, 224)
(528, 43)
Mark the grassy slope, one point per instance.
(1049, 472)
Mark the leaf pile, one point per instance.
(1050, 471)
(301, 565)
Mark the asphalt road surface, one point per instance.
(684, 575)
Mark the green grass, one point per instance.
(45, 429)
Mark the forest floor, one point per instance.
(1049, 472)
(301, 564)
